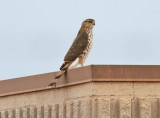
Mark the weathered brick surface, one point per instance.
(91, 107)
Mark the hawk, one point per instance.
(79, 50)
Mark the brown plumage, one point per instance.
(80, 48)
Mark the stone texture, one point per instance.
(113, 88)
(145, 108)
(93, 107)
(125, 108)
(147, 89)
(89, 100)
(103, 106)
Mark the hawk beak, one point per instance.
(93, 23)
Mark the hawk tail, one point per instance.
(65, 66)
(60, 74)
(57, 77)
(63, 69)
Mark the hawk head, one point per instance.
(88, 23)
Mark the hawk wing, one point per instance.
(77, 48)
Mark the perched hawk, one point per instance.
(79, 50)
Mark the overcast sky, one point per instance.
(36, 34)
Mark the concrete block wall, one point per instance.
(119, 93)
(93, 107)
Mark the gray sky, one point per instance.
(36, 34)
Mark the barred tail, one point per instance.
(57, 77)
(60, 74)
(63, 69)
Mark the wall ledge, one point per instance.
(91, 73)
(95, 91)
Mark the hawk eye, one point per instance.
(90, 21)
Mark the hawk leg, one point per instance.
(82, 65)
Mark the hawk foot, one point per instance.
(82, 64)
